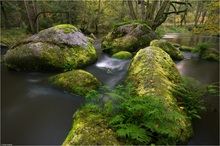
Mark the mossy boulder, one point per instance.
(153, 72)
(210, 54)
(186, 48)
(169, 48)
(75, 81)
(129, 36)
(90, 128)
(122, 55)
(59, 48)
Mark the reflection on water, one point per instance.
(33, 112)
(206, 130)
(192, 39)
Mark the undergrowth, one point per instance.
(146, 119)
(12, 36)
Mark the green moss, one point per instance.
(210, 54)
(187, 48)
(167, 47)
(130, 22)
(12, 36)
(90, 128)
(122, 55)
(176, 45)
(76, 81)
(153, 72)
(44, 56)
(67, 28)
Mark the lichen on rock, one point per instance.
(75, 81)
(60, 48)
(169, 48)
(128, 37)
(153, 72)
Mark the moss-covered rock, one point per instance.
(169, 48)
(90, 128)
(128, 37)
(75, 81)
(153, 72)
(186, 48)
(122, 55)
(210, 54)
(61, 48)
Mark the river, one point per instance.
(35, 113)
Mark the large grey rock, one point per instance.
(128, 37)
(61, 48)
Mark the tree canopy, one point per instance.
(98, 16)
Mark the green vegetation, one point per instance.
(139, 120)
(164, 29)
(122, 55)
(207, 53)
(168, 48)
(67, 28)
(189, 94)
(116, 25)
(12, 36)
(76, 81)
(186, 48)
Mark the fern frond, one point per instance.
(117, 119)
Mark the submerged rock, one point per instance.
(76, 81)
(153, 72)
(129, 36)
(169, 48)
(62, 47)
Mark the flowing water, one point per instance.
(34, 113)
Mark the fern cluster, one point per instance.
(190, 94)
(139, 120)
(144, 120)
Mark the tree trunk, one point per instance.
(97, 18)
(203, 17)
(143, 15)
(131, 8)
(160, 17)
(198, 12)
(36, 25)
(28, 15)
(5, 15)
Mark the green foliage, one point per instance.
(186, 48)
(147, 115)
(211, 25)
(189, 95)
(213, 89)
(162, 30)
(93, 96)
(12, 36)
(128, 22)
(140, 120)
(201, 48)
(68, 67)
